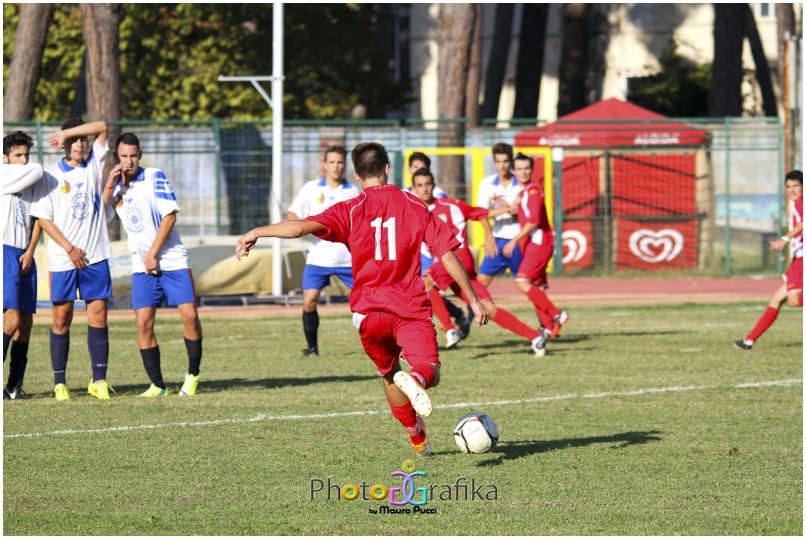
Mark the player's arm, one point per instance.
(525, 230)
(285, 229)
(780, 243)
(76, 255)
(109, 186)
(152, 260)
(92, 129)
(455, 269)
(18, 177)
(292, 216)
(27, 258)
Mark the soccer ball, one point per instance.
(475, 433)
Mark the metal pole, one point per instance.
(218, 165)
(277, 143)
(557, 157)
(727, 196)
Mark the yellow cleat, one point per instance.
(100, 390)
(60, 392)
(154, 391)
(189, 386)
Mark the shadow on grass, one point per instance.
(521, 448)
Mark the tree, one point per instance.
(497, 61)
(573, 59)
(100, 23)
(725, 98)
(529, 71)
(762, 68)
(23, 73)
(474, 71)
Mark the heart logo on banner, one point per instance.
(654, 247)
(577, 245)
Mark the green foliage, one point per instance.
(172, 55)
(678, 90)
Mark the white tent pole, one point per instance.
(277, 143)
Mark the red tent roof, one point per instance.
(607, 124)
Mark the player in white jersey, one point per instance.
(144, 200)
(324, 258)
(73, 215)
(21, 187)
(497, 191)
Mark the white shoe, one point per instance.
(539, 344)
(452, 336)
(415, 392)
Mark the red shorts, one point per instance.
(535, 260)
(793, 277)
(443, 279)
(385, 336)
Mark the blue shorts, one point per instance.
(175, 286)
(499, 264)
(425, 262)
(318, 277)
(19, 291)
(93, 282)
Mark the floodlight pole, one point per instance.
(275, 102)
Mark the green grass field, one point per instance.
(640, 421)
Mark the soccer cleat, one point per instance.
(465, 325)
(13, 394)
(154, 391)
(539, 344)
(189, 386)
(100, 390)
(742, 344)
(422, 449)
(559, 321)
(310, 352)
(61, 393)
(415, 392)
(452, 337)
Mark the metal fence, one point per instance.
(221, 172)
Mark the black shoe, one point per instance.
(741, 345)
(13, 394)
(310, 352)
(465, 325)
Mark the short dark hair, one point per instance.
(370, 160)
(129, 139)
(796, 175)
(72, 122)
(335, 149)
(17, 138)
(522, 157)
(425, 171)
(420, 156)
(503, 148)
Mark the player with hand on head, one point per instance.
(73, 215)
(21, 187)
(146, 204)
(536, 241)
(455, 213)
(384, 227)
(791, 291)
(324, 258)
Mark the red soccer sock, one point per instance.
(542, 302)
(546, 320)
(800, 299)
(763, 324)
(510, 322)
(440, 311)
(408, 418)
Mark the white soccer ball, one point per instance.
(475, 433)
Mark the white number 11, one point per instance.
(389, 224)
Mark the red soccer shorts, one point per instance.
(793, 277)
(535, 259)
(385, 336)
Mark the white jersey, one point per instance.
(491, 192)
(141, 205)
(21, 188)
(315, 197)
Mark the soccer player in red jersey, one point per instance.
(456, 213)
(536, 240)
(383, 228)
(792, 289)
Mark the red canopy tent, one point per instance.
(612, 123)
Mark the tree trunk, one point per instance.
(531, 49)
(762, 67)
(785, 16)
(474, 72)
(23, 73)
(573, 59)
(497, 61)
(454, 39)
(598, 40)
(725, 98)
(100, 24)
(79, 106)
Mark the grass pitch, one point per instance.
(640, 421)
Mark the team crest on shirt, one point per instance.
(65, 187)
(81, 206)
(320, 198)
(20, 214)
(134, 220)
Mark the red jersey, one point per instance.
(795, 217)
(383, 227)
(456, 213)
(532, 209)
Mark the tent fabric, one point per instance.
(612, 123)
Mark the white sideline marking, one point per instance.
(267, 417)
